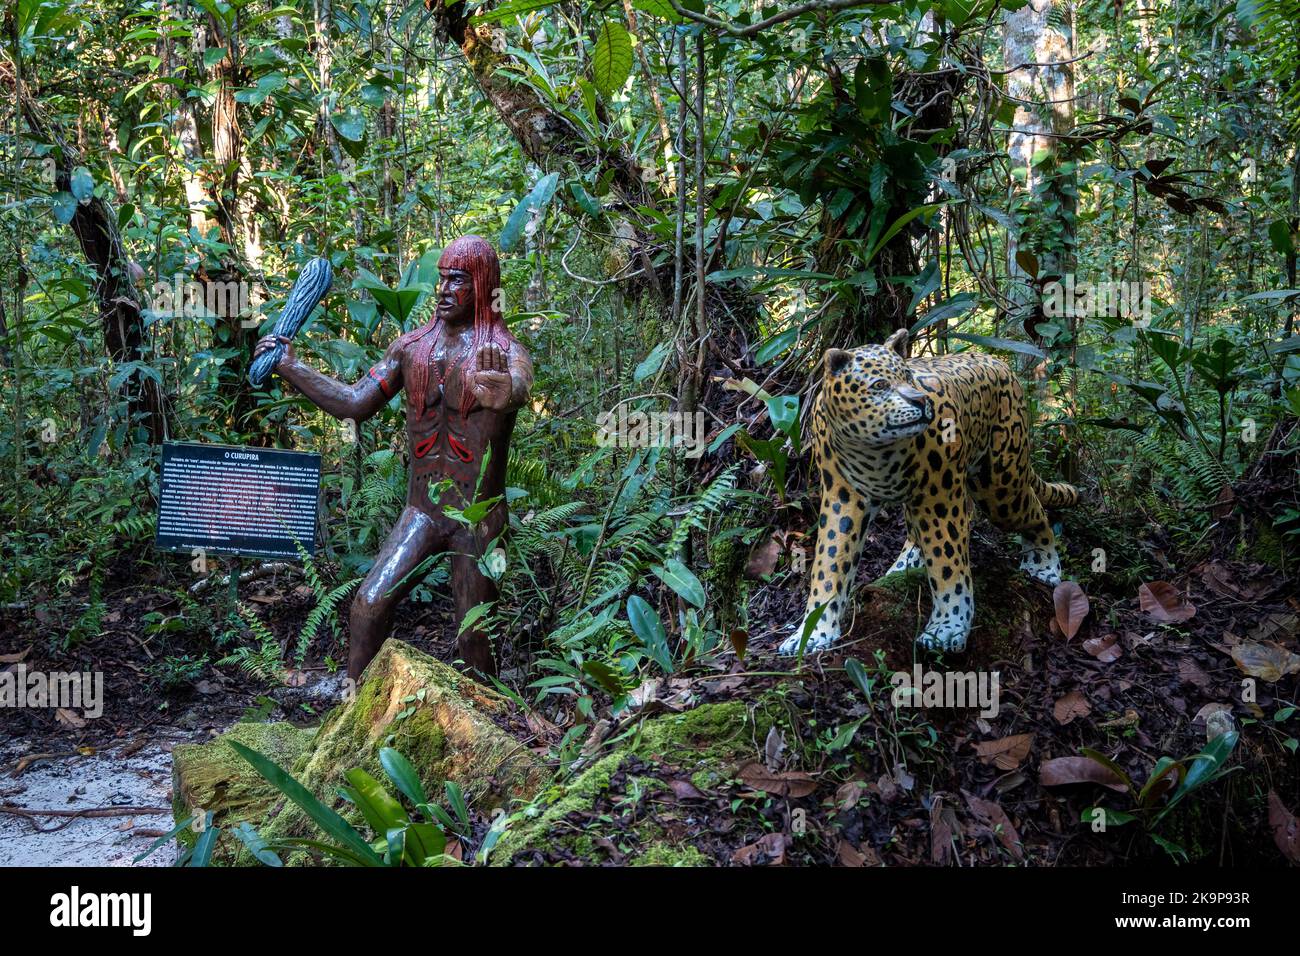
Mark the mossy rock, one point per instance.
(437, 718)
(706, 745)
(212, 777)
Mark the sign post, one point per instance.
(227, 499)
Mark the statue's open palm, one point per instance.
(492, 383)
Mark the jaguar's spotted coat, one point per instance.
(932, 433)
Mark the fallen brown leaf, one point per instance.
(1072, 705)
(1105, 647)
(791, 783)
(849, 855)
(1006, 753)
(1071, 607)
(1162, 602)
(1067, 770)
(769, 849)
(991, 814)
(1189, 672)
(685, 790)
(69, 718)
(1286, 828)
(1269, 662)
(762, 560)
(17, 657)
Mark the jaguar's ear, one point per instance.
(898, 342)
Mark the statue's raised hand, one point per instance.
(492, 383)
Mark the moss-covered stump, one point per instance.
(436, 717)
(212, 777)
(568, 823)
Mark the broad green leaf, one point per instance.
(205, 844)
(682, 580)
(611, 59)
(776, 345)
(473, 616)
(65, 207)
(651, 363)
(351, 123)
(403, 775)
(538, 198)
(330, 822)
(647, 626)
(257, 846)
(83, 184)
(380, 810)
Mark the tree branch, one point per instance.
(812, 6)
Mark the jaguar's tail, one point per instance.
(1055, 494)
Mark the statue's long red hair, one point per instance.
(474, 255)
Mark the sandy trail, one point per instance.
(106, 779)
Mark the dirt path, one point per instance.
(112, 778)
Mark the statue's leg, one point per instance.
(413, 538)
(471, 587)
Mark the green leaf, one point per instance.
(83, 184)
(1281, 236)
(512, 8)
(167, 837)
(1003, 345)
(682, 580)
(898, 225)
(351, 123)
(776, 345)
(1206, 765)
(206, 843)
(611, 59)
(846, 734)
(809, 625)
(784, 412)
(647, 626)
(1112, 818)
(585, 200)
(257, 846)
(405, 779)
(65, 207)
(381, 811)
(658, 8)
(605, 677)
(858, 674)
(473, 616)
(330, 822)
(538, 198)
(651, 363)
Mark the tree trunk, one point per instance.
(546, 137)
(94, 223)
(1043, 196)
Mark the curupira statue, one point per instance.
(464, 376)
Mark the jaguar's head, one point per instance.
(869, 396)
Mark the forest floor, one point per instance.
(915, 786)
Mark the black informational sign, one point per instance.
(226, 499)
